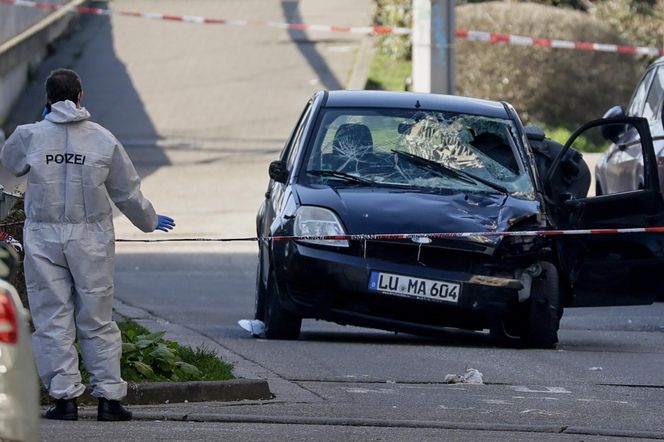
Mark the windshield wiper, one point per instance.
(342, 176)
(459, 174)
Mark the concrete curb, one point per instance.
(159, 393)
(171, 392)
(359, 422)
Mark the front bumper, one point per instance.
(331, 284)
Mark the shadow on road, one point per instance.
(110, 95)
(291, 10)
(212, 291)
(445, 337)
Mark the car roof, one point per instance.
(409, 100)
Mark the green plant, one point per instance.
(394, 13)
(583, 143)
(147, 356)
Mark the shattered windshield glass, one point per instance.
(418, 149)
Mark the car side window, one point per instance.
(292, 154)
(653, 105)
(639, 97)
(292, 139)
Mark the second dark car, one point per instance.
(391, 163)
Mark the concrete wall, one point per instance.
(18, 56)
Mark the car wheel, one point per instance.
(259, 307)
(543, 309)
(279, 322)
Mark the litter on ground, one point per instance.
(472, 376)
(254, 326)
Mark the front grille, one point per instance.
(428, 255)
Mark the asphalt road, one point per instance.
(202, 111)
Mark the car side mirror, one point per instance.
(278, 171)
(613, 132)
(534, 133)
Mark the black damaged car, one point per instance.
(389, 163)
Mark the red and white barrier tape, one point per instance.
(519, 40)
(216, 21)
(6, 237)
(516, 40)
(395, 236)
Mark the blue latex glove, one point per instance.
(165, 224)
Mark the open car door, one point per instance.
(615, 268)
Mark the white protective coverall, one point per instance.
(73, 167)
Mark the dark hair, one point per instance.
(63, 84)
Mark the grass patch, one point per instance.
(208, 363)
(583, 143)
(387, 73)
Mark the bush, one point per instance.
(639, 22)
(557, 86)
(394, 13)
(13, 226)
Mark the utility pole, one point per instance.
(434, 61)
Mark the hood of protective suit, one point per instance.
(73, 167)
(67, 112)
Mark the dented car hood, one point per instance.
(374, 210)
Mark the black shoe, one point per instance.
(63, 409)
(109, 410)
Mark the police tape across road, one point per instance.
(413, 236)
(516, 40)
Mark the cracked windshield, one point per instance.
(418, 149)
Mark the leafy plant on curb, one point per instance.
(148, 357)
(152, 358)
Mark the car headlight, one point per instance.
(317, 221)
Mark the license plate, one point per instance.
(389, 283)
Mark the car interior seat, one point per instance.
(495, 147)
(352, 136)
(352, 142)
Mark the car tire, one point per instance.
(543, 309)
(598, 189)
(261, 293)
(279, 322)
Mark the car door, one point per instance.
(615, 268)
(653, 111)
(278, 193)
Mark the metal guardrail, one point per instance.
(50, 19)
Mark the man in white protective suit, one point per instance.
(73, 167)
